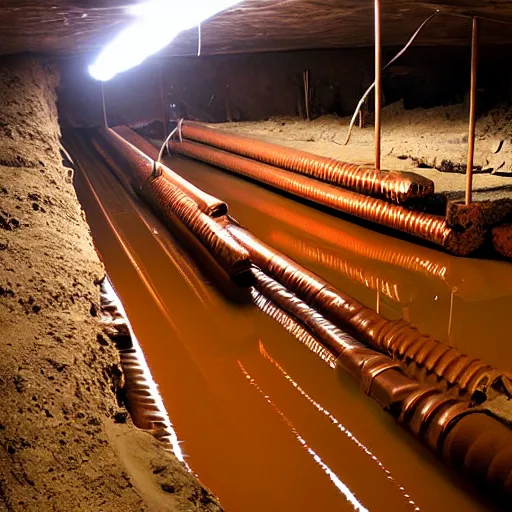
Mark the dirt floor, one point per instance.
(412, 139)
(63, 445)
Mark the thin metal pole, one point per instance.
(378, 85)
(472, 112)
(163, 103)
(104, 105)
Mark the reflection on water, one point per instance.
(328, 471)
(337, 424)
(239, 446)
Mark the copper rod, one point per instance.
(398, 187)
(378, 85)
(472, 111)
(398, 339)
(428, 227)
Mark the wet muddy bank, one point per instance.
(63, 445)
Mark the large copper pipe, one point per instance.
(448, 424)
(428, 227)
(398, 187)
(398, 339)
(171, 201)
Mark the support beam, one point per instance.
(378, 85)
(472, 112)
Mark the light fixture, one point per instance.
(156, 24)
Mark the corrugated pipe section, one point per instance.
(448, 424)
(172, 199)
(395, 338)
(398, 187)
(432, 228)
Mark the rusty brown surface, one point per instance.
(429, 227)
(398, 187)
(502, 239)
(66, 26)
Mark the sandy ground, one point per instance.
(61, 448)
(411, 138)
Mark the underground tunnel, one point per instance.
(255, 255)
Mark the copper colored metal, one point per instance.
(398, 187)
(171, 201)
(428, 227)
(472, 111)
(142, 152)
(440, 419)
(398, 339)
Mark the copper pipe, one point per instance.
(398, 339)
(445, 422)
(422, 225)
(169, 199)
(125, 140)
(378, 85)
(472, 111)
(398, 187)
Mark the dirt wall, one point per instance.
(62, 446)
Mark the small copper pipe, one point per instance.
(398, 187)
(429, 227)
(378, 85)
(472, 111)
(398, 339)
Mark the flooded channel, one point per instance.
(265, 423)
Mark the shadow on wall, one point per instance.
(258, 86)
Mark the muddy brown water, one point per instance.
(265, 423)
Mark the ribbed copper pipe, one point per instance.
(171, 201)
(398, 187)
(428, 227)
(145, 164)
(440, 419)
(398, 339)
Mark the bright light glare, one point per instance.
(157, 23)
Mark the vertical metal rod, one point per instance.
(472, 112)
(453, 291)
(378, 84)
(163, 103)
(105, 121)
(307, 95)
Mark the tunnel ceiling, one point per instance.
(66, 26)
